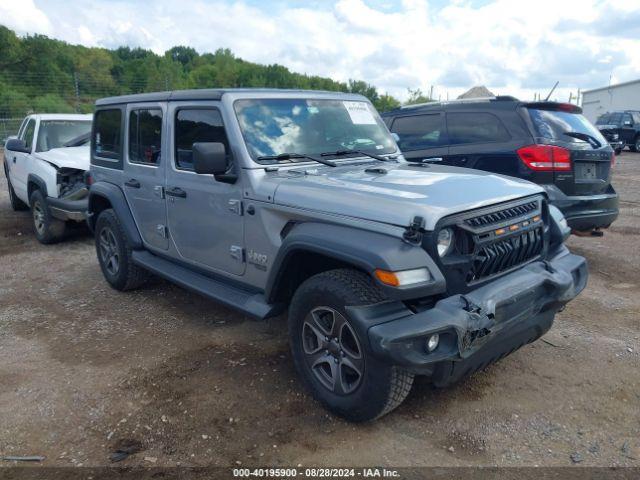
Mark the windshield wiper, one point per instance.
(291, 156)
(593, 141)
(341, 153)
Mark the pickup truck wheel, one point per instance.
(17, 205)
(47, 228)
(114, 254)
(331, 357)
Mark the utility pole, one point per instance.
(77, 90)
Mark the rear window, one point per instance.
(553, 125)
(475, 128)
(107, 126)
(419, 131)
(145, 139)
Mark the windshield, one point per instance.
(603, 119)
(553, 125)
(55, 133)
(310, 127)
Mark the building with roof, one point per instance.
(623, 96)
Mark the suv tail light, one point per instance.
(545, 158)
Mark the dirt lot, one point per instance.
(84, 368)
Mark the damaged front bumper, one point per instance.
(477, 328)
(68, 209)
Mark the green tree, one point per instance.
(416, 96)
(386, 102)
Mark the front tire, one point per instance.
(47, 228)
(114, 254)
(618, 151)
(330, 355)
(636, 145)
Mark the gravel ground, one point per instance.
(85, 370)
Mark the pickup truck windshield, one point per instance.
(56, 133)
(271, 127)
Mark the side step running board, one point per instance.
(247, 302)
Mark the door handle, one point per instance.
(133, 183)
(175, 192)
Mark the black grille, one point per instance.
(502, 215)
(504, 254)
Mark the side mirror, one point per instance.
(209, 158)
(17, 145)
(395, 136)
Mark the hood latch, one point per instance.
(413, 233)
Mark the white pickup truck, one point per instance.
(45, 165)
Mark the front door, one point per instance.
(422, 136)
(204, 215)
(143, 179)
(18, 162)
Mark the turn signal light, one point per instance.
(545, 158)
(402, 278)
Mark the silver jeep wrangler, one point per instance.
(271, 199)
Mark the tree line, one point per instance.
(40, 74)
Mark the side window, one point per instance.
(28, 133)
(107, 133)
(636, 118)
(145, 136)
(419, 131)
(475, 128)
(196, 125)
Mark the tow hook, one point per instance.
(479, 323)
(413, 233)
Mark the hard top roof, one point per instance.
(216, 94)
(504, 101)
(62, 116)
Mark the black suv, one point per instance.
(621, 128)
(548, 143)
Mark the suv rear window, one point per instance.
(552, 125)
(419, 131)
(475, 128)
(107, 126)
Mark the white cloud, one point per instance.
(513, 47)
(23, 15)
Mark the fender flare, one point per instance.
(42, 185)
(115, 196)
(365, 250)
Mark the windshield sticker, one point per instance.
(359, 113)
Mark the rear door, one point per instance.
(144, 171)
(481, 140)
(562, 125)
(421, 136)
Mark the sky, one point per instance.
(513, 47)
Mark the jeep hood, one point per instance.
(398, 195)
(67, 157)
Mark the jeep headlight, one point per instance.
(445, 241)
